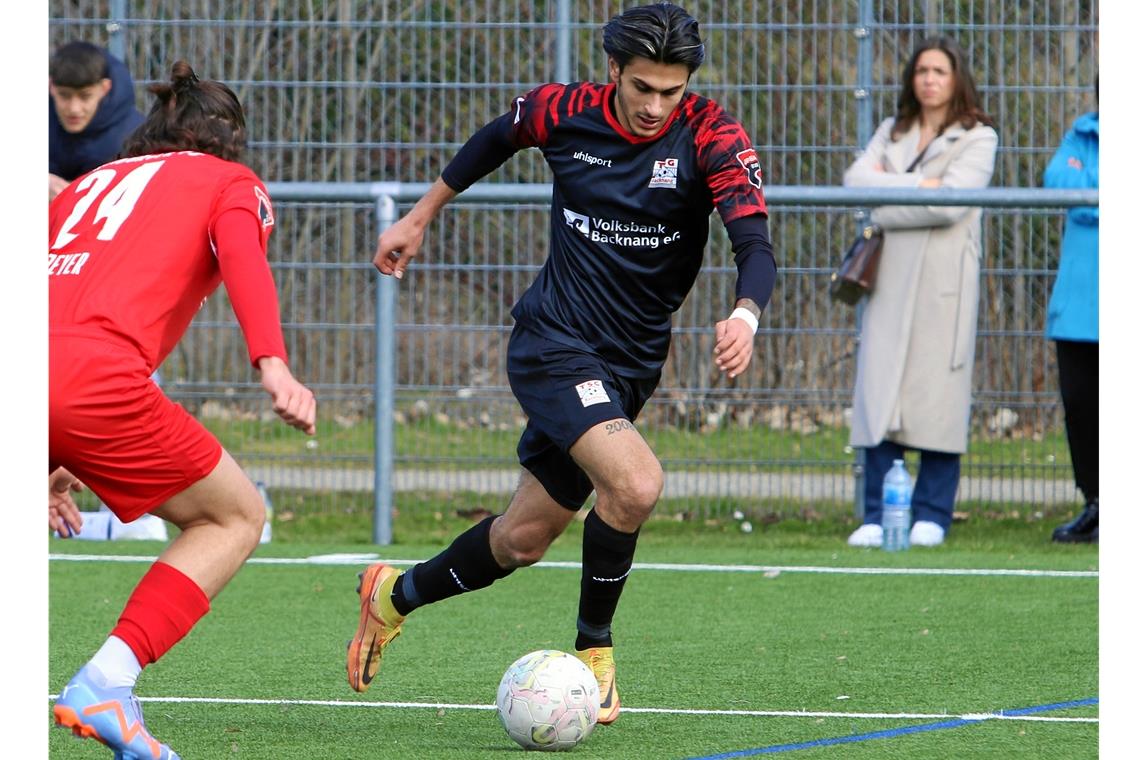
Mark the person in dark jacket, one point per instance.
(91, 111)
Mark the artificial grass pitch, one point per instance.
(806, 664)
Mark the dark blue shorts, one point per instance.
(564, 392)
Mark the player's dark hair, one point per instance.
(78, 64)
(661, 32)
(190, 114)
(964, 108)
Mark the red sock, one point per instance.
(162, 609)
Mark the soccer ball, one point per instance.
(548, 700)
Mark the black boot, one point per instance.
(1085, 529)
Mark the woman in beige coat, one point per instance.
(916, 349)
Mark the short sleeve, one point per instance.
(735, 178)
(246, 193)
(535, 115)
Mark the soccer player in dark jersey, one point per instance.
(639, 164)
(134, 247)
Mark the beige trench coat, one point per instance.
(916, 348)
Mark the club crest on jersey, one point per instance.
(264, 208)
(592, 392)
(751, 164)
(664, 173)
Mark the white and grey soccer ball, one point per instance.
(548, 700)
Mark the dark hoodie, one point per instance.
(70, 155)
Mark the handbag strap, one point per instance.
(956, 146)
(918, 158)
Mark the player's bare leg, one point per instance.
(628, 480)
(521, 535)
(221, 517)
(626, 474)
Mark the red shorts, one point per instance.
(115, 430)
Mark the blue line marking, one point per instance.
(889, 733)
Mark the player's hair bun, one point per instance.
(182, 77)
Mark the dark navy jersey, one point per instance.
(629, 218)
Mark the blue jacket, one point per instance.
(1074, 304)
(70, 155)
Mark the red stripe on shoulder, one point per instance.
(552, 104)
(704, 117)
(581, 96)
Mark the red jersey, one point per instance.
(132, 252)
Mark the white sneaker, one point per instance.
(867, 535)
(926, 533)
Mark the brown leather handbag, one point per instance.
(856, 274)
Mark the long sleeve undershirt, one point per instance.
(249, 283)
(755, 262)
(487, 150)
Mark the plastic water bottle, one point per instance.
(267, 529)
(896, 508)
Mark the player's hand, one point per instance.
(292, 401)
(733, 349)
(56, 185)
(397, 246)
(63, 516)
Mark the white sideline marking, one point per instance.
(770, 570)
(654, 710)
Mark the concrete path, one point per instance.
(794, 487)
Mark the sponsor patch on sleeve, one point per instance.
(264, 208)
(751, 164)
(592, 392)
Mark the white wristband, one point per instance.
(748, 317)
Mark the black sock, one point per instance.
(466, 565)
(607, 556)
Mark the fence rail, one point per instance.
(775, 195)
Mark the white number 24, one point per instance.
(117, 203)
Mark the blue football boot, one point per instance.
(110, 715)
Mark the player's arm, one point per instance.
(238, 242)
(486, 151)
(756, 279)
(400, 243)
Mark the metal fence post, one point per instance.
(385, 391)
(562, 43)
(117, 44)
(864, 127)
(864, 61)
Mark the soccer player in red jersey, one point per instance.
(639, 164)
(135, 246)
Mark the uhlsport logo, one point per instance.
(664, 173)
(751, 164)
(594, 160)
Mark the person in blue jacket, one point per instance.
(91, 111)
(1072, 321)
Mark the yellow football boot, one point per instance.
(601, 661)
(379, 624)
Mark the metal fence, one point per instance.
(354, 92)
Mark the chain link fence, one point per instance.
(350, 92)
